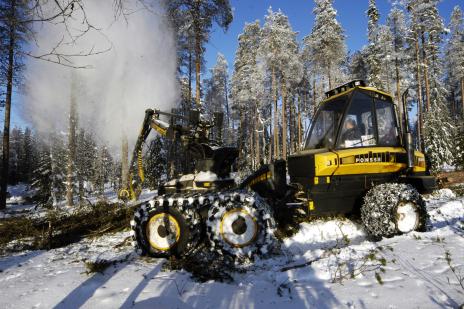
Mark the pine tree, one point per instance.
(58, 167)
(373, 50)
(200, 15)
(279, 50)
(72, 145)
(27, 164)
(438, 125)
(155, 163)
(325, 47)
(454, 52)
(99, 172)
(247, 90)
(85, 165)
(217, 94)
(108, 165)
(16, 154)
(397, 24)
(358, 65)
(42, 179)
(12, 37)
(386, 57)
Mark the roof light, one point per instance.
(345, 87)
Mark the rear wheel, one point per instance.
(392, 208)
(165, 227)
(241, 225)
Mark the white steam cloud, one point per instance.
(138, 72)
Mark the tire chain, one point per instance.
(186, 205)
(189, 205)
(377, 212)
(265, 240)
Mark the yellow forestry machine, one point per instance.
(358, 159)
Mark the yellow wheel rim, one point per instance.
(249, 228)
(124, 194)
(163, 231)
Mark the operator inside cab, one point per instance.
(351, 134)
(363, 117)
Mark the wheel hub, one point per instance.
(238, 228)
(163, 231)
(407, 217)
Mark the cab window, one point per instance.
(386, 122)
(358, 127)
(324, 128)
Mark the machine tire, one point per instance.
(393, 208)
(184, 223)
(241, 225)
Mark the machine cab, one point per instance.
(354, 116)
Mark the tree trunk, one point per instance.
(198, 51)
(462, 95)
(269, 137)
(329, 75)
(226, 97)
(189, 80)
(124, 163)
(71, 148)
(314, 97)
(240, 136)
(426, 75)
(299, 130)
(398, 93)
(197, 73)
(291, 117)
(257, 149)
(284, 119)
(9, 92)
(276, 117)
(419, 95)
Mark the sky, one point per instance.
(350, 13)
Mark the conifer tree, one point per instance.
(42, 179)
(325, 47)
(279, 50)
(155, 163)
(373, 50)
(200, 15)
(397, 24)
(247, 87)
(358, 65)
(217, 94)
(455, 59)
(438, 127)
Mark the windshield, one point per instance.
(324, 128)
(358, 126)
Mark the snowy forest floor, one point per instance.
(327, 264)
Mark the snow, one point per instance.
(17, 204)
(327, 264)
(206, 176)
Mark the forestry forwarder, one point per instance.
(357, 159)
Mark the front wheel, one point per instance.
(392, 208)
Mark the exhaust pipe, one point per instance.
(407, 135)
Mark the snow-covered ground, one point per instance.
(327, 264)
(19, 204)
